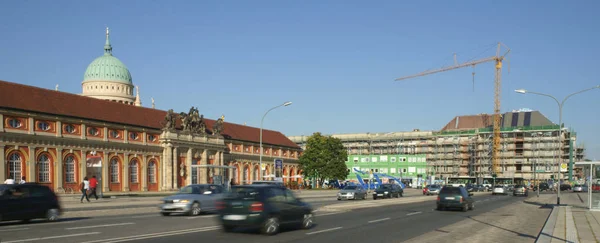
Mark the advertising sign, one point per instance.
(278, 169)
(563, 167)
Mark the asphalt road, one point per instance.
(379, 224)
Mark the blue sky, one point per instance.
(336, 60)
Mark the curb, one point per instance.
(545, 236)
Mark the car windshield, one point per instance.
(434, 186)
(386, 186)
(192, 190)
(450, 190)
(350, 188)
(243, 193)
(499, 186)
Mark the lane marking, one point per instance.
(16, 229)
(51, 237)
(144, 216)
(323, 231)
(98, 226)
(378, 220)
(413, 213)
(202, 217)
(155, 235)
(325, 214)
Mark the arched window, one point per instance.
(133, 171)
(114, 170)
(236, 177)
(152, 172)
(255, 174)
(70, 169)
(43, 168)
(14, 166)
(245, 174)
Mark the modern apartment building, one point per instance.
(530, 146)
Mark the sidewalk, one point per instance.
(572, 221)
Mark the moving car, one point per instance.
(28, 201)
(432, 189)
(520, 190)
(265, 207)
(193, 200)
(455, 197)
(499, 189)
(543, 187)
(276, 183)
(352, 192)
(388, 191)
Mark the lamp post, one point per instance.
(560, 145)
(261, 132)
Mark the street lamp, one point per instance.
(261, 132)
(560, 107)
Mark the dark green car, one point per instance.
(264, 207)
(455, 197)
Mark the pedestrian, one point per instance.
(10, 180)
(93, 186)
(85, 186)
(22, 180)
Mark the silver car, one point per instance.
(499, 189)
(580, 188)
(352, 192)
(193, 200)
(433, 189)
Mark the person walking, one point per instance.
(93, 186)
(85, 186)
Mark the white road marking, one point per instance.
(378, 220)
(202, 217)
(325, 230)
(325, 214)
(51, 237)
(413, 213)
(15, 229)
(98, 226)
(155, 235)
(144, 216)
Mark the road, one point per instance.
(383, 224)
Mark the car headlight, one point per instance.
(181, 201)
(385, 192)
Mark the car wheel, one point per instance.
(401, 194)
(365, 196)
(339, 199)
(165, 214)
(271, 226)
(354, 197)
(374, 198)
(308, 221)
(472, 206)
(52, 214)
(196, 210)
(465, 207)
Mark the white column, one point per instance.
(125, 184)
(126, 136)
(58, 170)
(83, 131)
(58, 129)
(144, 171)
(105, 175)
(169, 167)
(83, 165)
(2, 159)
(31, 175)
(162, 169)
(188, 166)
(105, 134)
(31, 131)
(2, 126)
(174, 171)
(202, 171)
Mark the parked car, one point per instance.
(193, 200)
(352, 192)
(28, 201)
(580, 188)
(433, 189)
(565, 187)
(499, 189)
(388, 191)
(455, 197)
(520, 190)
(265, 207)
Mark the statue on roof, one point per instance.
(218, 126)
(169, 122)
(193, 122)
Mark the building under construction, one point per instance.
(463, 147)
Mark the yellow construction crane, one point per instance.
(498, 58)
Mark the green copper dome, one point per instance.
(107, 67)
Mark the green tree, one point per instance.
(324, 158)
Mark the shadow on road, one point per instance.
(508, 230)
(542, 205)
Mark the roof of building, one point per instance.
(509, 119)
(107, 67)
(30, 98)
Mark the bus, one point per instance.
(461, 180)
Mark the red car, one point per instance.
(595, 187)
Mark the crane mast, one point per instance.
(498, 59)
